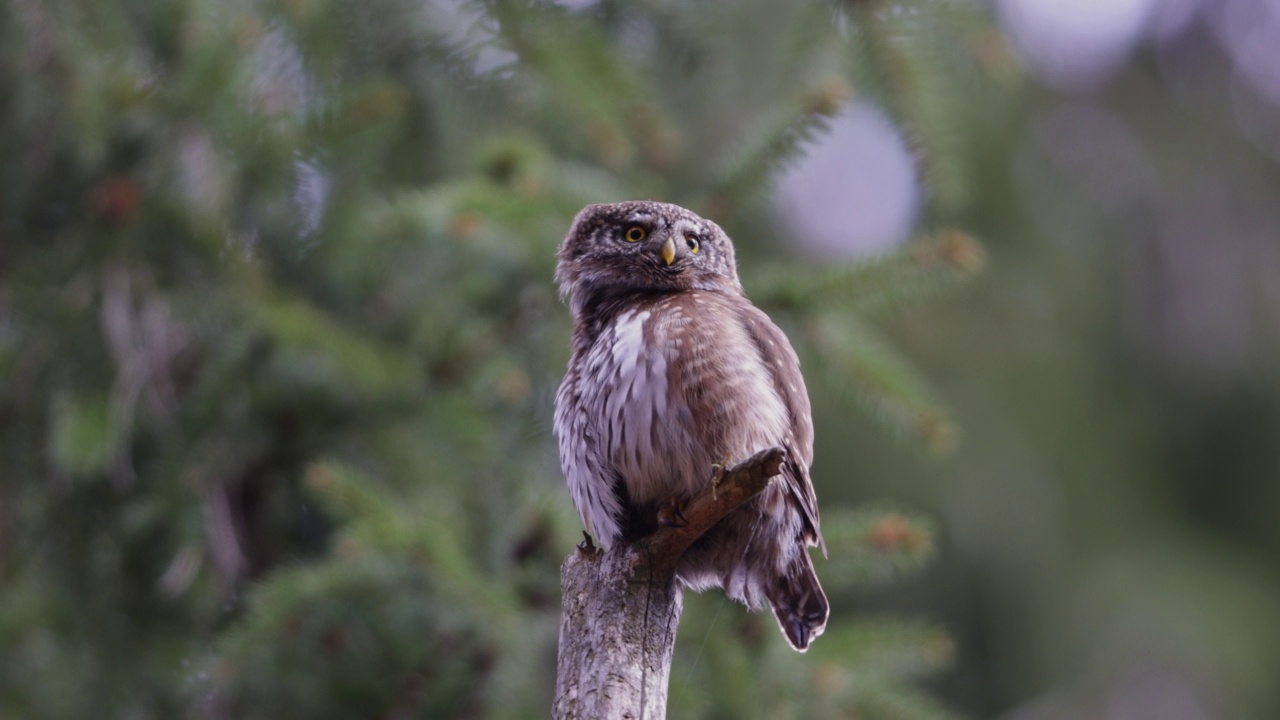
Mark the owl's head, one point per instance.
(643, 246)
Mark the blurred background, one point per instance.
(279, 344)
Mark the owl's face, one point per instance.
(639, 246)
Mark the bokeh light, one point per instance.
(855, 191)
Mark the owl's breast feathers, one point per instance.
(662, 387)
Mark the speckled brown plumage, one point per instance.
(674, 371)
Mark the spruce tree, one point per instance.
(279, 339)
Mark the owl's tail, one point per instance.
(798, 602)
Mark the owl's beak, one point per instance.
(669, 251)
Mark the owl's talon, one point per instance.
(587, 546)
(671, 513)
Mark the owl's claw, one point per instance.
(671, 513)
(587, 547)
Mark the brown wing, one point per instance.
(784, 365)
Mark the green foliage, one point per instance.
(402, 618)
(922, 269)
(775, 141)
(728, 665)
(878, 546)
(918, 59)
(834, 308)
(279, 341)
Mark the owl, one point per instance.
(673, 372)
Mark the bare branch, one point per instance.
(727, 492)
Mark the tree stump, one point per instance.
(620, 608)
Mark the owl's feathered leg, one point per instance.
(798, 602)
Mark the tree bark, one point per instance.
(620, 608)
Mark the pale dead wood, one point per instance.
(620, 608)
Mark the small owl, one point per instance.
(673, 371)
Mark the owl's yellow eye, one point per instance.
(635, 233)
(694, 245)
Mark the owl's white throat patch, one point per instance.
(629, 344)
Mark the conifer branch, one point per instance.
(921, 269)
(884, 383)
(911, 87)
(773, 143)
(879, 546)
